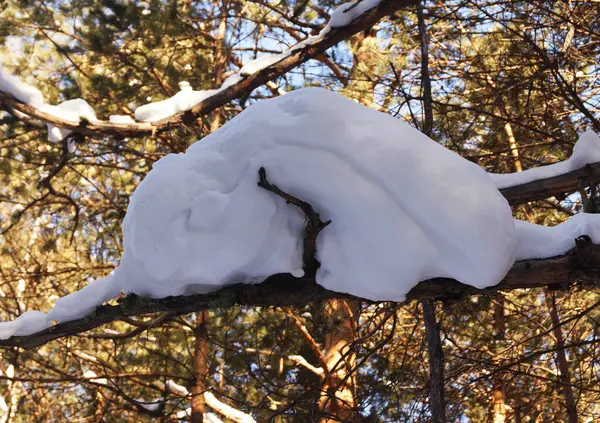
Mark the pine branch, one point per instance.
(555, 186)
(296, 57)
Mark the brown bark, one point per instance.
(338, 398)
(498, 397)
(514, 148)
(215, 121)
(437, 403)
(557, 185)
(200, 367)
(563, 365)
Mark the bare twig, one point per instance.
(314, 224)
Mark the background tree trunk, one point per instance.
(437, 404)
(200, 367)
(338, 398)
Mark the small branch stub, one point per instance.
(314, 224)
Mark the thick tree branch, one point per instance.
(296, 57)
(555, 186)
(579, 266)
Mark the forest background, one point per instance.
(508, 85)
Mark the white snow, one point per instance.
(260, 63)
(586, 150)
(93, 377)
(14, 86)
(150, 406)
(71, 110)
(26, 324)
(537, 242)
(185, 99)
(344, 15)
(120, 119)
(403, 209)
(175, 387)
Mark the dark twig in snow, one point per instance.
(314, 224)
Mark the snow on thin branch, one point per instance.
(27, 103)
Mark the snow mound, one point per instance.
(403, 208)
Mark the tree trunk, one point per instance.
(563, 365)
(338, 398)
(498, 400)
(437, 403)
(200, 367)
(215, 118)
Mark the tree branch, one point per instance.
(285, 290)
(579, 265)
(555, 186)
(296, 57)
(314, 224)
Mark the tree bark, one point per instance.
(437, 404)
(338, 398)
(200, 367)
(215, 119)
(498, 397)
(563, 365)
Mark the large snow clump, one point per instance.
(403, 209)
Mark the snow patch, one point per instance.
(586, 150)
(75, 111)
(24, 93)
(538, 242)
(26, 324)
(120, 119)
(344, 15)
(185, 99)
(71, 110)
(175, 387)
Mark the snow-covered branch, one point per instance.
(558, 185)
(191, 221)
(578, 266)
(26, 103)
(214, 403)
